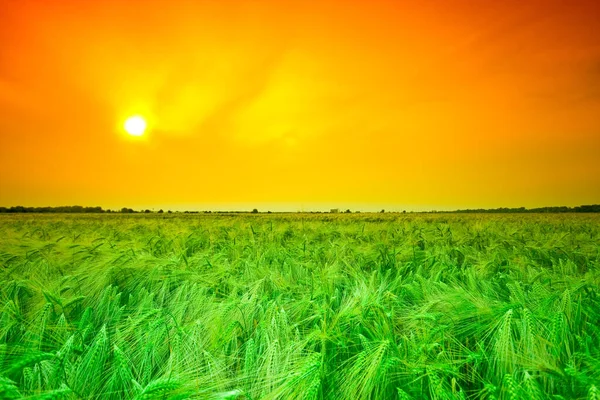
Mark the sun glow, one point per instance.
(135, 126)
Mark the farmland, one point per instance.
(300, 306)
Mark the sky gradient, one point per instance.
(300, 105)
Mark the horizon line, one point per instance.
(326, 210)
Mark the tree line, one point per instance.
(594, 208)
(69, 209)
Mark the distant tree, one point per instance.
(170, 212)
(588, 208)
(255, 211)
(348, 211)
(147, 211)
(160, 211)
(382, 211)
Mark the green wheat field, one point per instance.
(300, 306)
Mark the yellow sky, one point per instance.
(289, 104)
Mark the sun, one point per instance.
(135, 126)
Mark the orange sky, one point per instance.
(300, 104)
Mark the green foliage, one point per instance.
(278, 306)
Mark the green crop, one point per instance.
(300, 306)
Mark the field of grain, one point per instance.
(300, 306)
